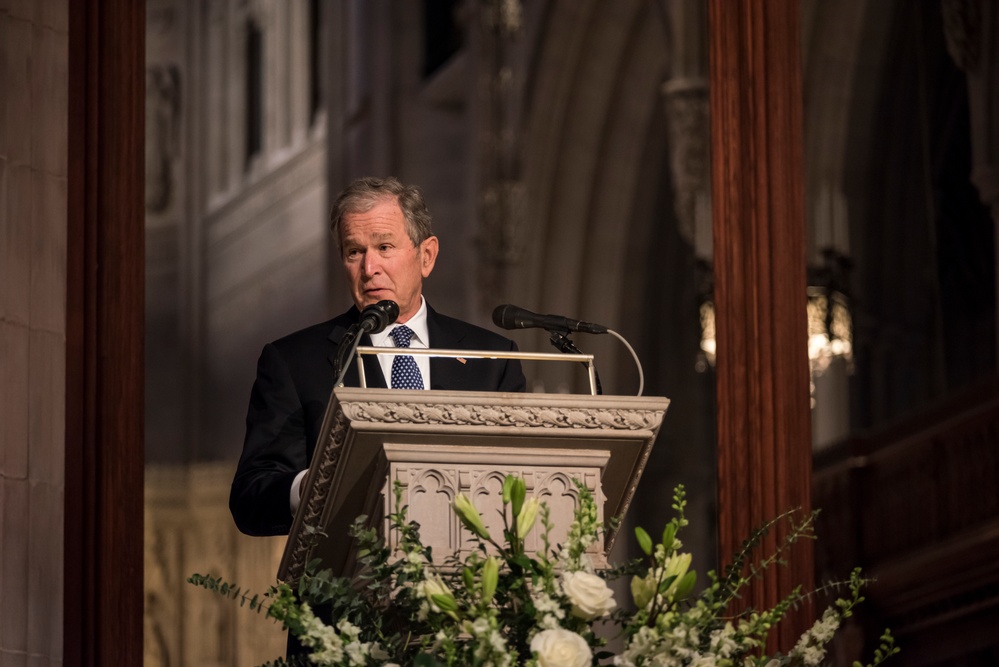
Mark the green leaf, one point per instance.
(669, 535)
(666, 583)
(426, 660)
(523, 561)
(686, 585)
(644, 541)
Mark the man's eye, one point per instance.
(385, 247)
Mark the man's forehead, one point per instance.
(380, 206)
(379, 221)
(375, 235)
(381, 233)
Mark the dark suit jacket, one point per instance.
(293, 386)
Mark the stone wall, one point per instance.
(188, 530)
(34, 39)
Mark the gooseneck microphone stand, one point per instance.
(348, 345)
(560, 339)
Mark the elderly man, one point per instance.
(387, 249)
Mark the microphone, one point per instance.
(377, 316)
(373, 319)
(513, 317)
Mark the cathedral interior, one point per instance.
(565, 152)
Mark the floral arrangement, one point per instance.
(503, 607)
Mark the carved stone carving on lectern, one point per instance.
(430, 494)
(430, 480)
(326, 468)
(491, 415)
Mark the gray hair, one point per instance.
(362, 195)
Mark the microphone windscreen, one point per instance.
(505, 316)
(377, 316)
(391, 310)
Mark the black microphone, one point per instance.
(513, 317)
(377, 316)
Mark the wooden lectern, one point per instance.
(437, 444)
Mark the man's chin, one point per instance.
(371, 298)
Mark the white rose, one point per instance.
(590, 595)
(561, 648)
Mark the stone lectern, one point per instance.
(437, 444)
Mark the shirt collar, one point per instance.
(417, 323)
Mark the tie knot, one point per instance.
(401, 336)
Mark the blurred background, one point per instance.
(563, 148)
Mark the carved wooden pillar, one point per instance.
(104, 334)
(764, 452)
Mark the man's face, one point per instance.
(381, 261)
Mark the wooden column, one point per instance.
(103, 600)
(764, 442)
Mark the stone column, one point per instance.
(33, 247)
(500, 192)
(685, 96)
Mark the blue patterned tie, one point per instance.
(405, 372)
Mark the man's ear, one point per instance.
(428, 255)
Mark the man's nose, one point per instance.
(370, 264)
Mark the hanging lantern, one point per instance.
(830, 329)
(830, 323)
(706, 357)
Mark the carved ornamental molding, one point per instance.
(492, 415)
